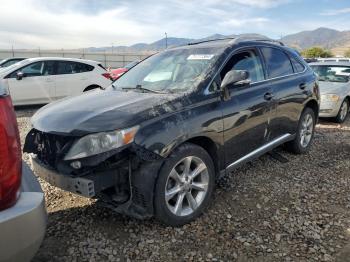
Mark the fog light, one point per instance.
(76, 164)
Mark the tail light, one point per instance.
(107, 75)
(10, 155)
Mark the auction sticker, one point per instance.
(200, 57)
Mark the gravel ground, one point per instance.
(264, 211)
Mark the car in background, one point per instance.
(116, 73)
(154, 142)
(334, 81)
(44, 79)
(310, 60)
(333, 59)
(10, 61)
(23, 215)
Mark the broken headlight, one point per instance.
(101, 142)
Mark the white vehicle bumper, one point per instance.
(329, 109)
(23, 226)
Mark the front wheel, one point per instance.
(184, 186)
(343, 112)
(305, 133)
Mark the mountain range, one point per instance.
(336, 41)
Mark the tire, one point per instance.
(343, 112)
(175, 182)
(305, 133)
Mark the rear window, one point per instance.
(100, 65)
(298, 66)
(68, 67)
(277, 62)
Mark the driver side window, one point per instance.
(31, 70)
(248, 61)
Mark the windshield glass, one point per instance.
(176, 70)
(326, 73)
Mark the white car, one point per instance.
(45, 79)
(334, 81)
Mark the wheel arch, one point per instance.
(314, 106)
(91, 87)
(208, 145)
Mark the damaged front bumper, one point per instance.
(123, 181)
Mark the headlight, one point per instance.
(330, 98)
(101, 142)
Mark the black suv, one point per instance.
(154, 142)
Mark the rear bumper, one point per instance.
(23, 226)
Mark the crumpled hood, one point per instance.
(333, 87)
(98, 111)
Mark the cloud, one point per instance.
(336, 12)
(76, 24)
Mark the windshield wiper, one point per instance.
(139, 87)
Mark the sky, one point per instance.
(56, 24)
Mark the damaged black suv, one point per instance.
(154, 143)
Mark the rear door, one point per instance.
(36, 86)
(246, 113)
(288, 84)
(71, 78)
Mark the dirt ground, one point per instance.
(264, 211)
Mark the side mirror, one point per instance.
(234, 77)
(20, 75)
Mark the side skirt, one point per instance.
(258, 152)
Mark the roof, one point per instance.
(34, 59)
(330, 63)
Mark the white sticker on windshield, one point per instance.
(200, 57)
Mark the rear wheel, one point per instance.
(305, 132)
(184, 186)
(343, 112)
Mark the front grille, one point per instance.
(49, 148)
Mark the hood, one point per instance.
(333, 87)
(101, 110)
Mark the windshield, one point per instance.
(339, 74)
(176, 70)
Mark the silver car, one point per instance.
(334, 81)
(23, 215)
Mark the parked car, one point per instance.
(334, 78)
(10, 61)
(116, 73)
(22, 205)
(154, 143)
(310, 60)
(333, 59)
(44, 79)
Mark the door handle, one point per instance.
(302, 86)
(268, 96)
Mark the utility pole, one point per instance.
(112, 47)
(166, 40)
(13, 52)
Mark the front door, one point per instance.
(246, 114)
(37, 85)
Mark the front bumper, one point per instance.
(23, 226)
(87, 186)
(329, 109)
(141, 181)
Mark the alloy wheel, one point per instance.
(186, 186)
(307, 126)
(343, 110)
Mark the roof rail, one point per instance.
(255, 38)
(238, 39)
(210, 40)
